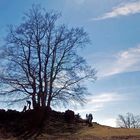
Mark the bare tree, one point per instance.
(129, 121)
(40, 61)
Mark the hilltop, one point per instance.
(52, 125)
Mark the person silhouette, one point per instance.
(24, 109)
(86, 116)
(90, 118)
(28, 104)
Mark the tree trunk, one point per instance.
(34, 104)
(43, 100)
(39, 99)
(49, 103)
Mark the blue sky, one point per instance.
(113, 27)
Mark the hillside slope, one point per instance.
(67, 132)
(40, 125)
(97, 132)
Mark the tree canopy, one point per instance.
(40, 61)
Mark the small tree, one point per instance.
(41, 61)
(129, 121)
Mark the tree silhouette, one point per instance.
(128, 121)
(40, 61)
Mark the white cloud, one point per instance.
(96, 107)
(125, 61)
(109, 122)
(98, 102)
(104, 98)
(122, 10)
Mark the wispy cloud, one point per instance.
(94, 108)
(121, 10)
(99, 101)
(104, 98)
(125, 61)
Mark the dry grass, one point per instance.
(98, 132)
(105, 131)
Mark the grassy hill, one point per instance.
(97, 132)
(25, 126)
(105, 131)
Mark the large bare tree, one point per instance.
(40, 61)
